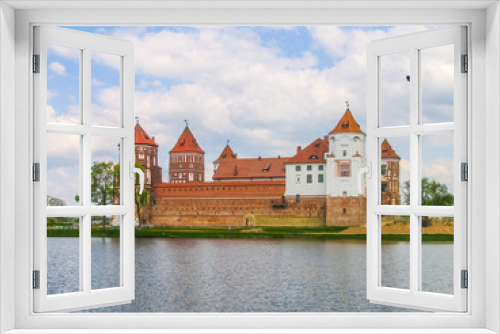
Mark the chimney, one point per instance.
(260, 158)
(154, 139)
(236, 155)
(299, 148)
(325, 139)
(279, 156)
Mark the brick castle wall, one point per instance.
(346, 211)
(233, 204)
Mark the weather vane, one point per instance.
(227, 142)
(186, 121)
(347, 104)
(136, 120)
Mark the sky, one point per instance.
(266, 89)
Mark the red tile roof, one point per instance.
(187, 143)
(314, 153)
(141, 137)
(387, 151)
(251, 168)
(226, 153)
(347, 124)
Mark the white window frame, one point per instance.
(414, 43)
(86, 296)
(484, 49)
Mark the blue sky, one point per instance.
(267, 89)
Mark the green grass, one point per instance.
(283, 232)
(59, 224)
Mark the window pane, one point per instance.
(437, 254)
(437, 170)
(106, 264)
(63, 84)
(105, 188)
(395, 266)
(395, 89)
(106, 90)
(437, 82)
(63, 255)
(63, 169)
(395, 171)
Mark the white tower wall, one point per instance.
(344, 147)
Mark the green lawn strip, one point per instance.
(238, 234)
(59, 224)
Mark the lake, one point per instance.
(248, 275)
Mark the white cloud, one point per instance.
(228, 85)
(96, 82)
(57, 68)
(70, 116)
(440, 170)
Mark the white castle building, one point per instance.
(329, 167)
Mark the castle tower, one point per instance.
(146, 153)
(227, 153)
(187, 160)
(390, 175)
(345, 156)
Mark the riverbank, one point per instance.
(321, 233)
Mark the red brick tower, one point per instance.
(390, 175)
(187, 160)
(146, 153)
(227, 153)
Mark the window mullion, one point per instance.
(414, 170)
(86, 257)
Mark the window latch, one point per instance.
(368, 171)
(139, 171)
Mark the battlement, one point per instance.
(230, 189)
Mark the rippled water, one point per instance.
(217, 275)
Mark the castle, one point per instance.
(316, 186)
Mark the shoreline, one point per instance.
(254, 232)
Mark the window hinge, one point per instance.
(36, 172)
(465, 279)
(465, 64)
(464, 172)
(36, 279)
(36, 63)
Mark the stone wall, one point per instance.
(346, 211)
(233, 204)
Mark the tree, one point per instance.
(104, 187)
(141, 200)
(433, 193)
(54, 201)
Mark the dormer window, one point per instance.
(345, 125)
(313, 157)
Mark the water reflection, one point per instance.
(216, 275)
